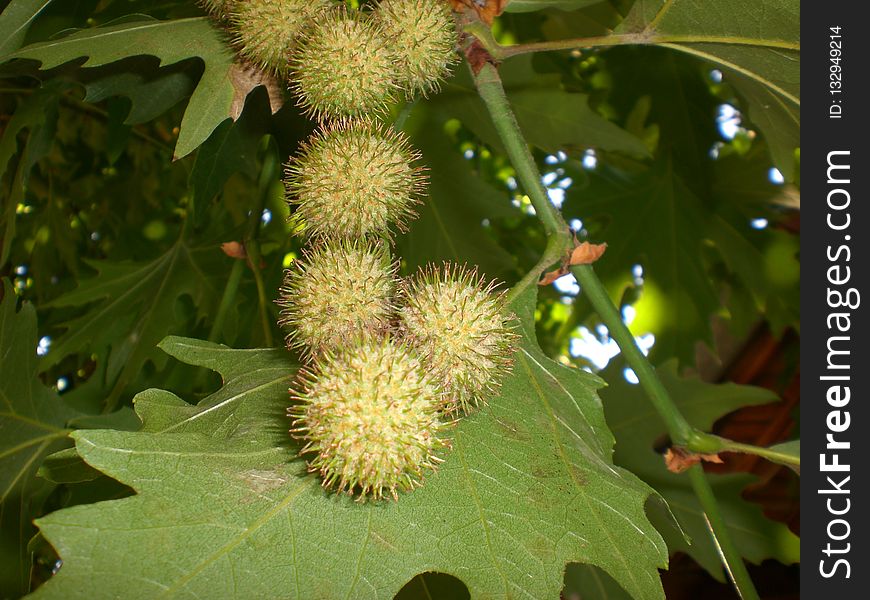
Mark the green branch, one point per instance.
(268, 174)
(251, 244)
(728, 553)
(227, 300)
(559, 241)
(680, 430)
(558, 234)
(645, 37)
(775, 456)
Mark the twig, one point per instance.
(645, 37)
(252, 243)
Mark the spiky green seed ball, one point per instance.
(267, 31)
(370, 414)
(354, 179)
(423, 35)
(344, 67)
(336, 292)
(459, 325)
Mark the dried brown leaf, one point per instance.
(486, 10)
(586, 253)
(552, 276)
(678, 460)
(245, 78)
(582, 254)
(234, 250)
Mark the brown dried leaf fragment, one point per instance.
(245, 77)
(552, 276)
(486, 10)
(234, 250)
(586, 253)
(582, 254)
(678, 460)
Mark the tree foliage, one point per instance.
(145, 233)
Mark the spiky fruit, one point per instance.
(370, 413)
(338, 291)
(220, 9)
(353, 179)
(267, 31)
(459, 325)
(423, 35)
(344, 67)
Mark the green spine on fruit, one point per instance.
(337, 291)
(354, 179)
(460, 328)
(220, 9)
(344, 67)
(370, 414)
(423, 36)
(267, 31)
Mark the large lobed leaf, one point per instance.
(33, 423)
(15, 20)
(134, 307)
(37, 118)
(223, 505)
(757, 44)
(551, 117)
(685, 217)
(449, 227)
(171, 42)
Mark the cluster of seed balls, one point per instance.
(391, 362)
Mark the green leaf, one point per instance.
(449, 226)
(638, 429)
(223, 504)
(151, 91)
(32, 424)
(135, 308)
(756, 44)
(434, 585)
(232, 147)
(519, 6)
(171, 42)
(585, 581)
(685, 217)
(29, 116)
(777, 118)
(66, 466)
(792, 448)
(37, 116)
(551, 118)
(658, 221)
(15, 20)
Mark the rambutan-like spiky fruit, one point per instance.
(344, 67)
(353, 179)
(459, 325)
(370, 414)
(423, 36)
(267, 31)
(337, 291)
